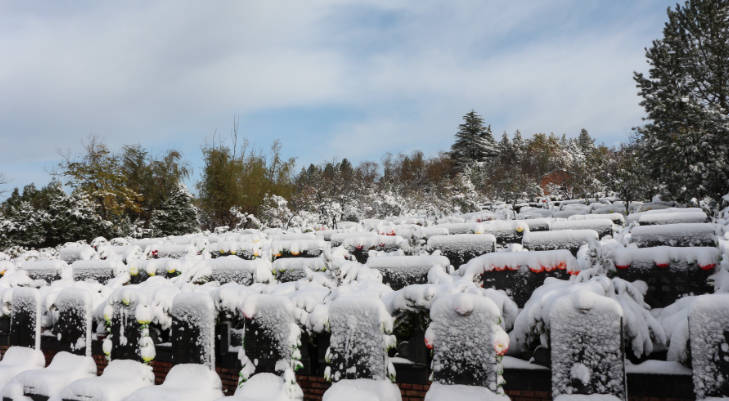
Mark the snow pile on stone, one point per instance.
(643, 331)
(603, 227)
(563, 239)
(681, 234)
(586, 345)
(709, 334)
(535, 261)
(467, 341)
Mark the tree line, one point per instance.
(681, 152)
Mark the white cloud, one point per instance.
(147, 72)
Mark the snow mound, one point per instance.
(460, 392)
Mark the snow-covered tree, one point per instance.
(686, 98)
(474, 142)
(177, 215)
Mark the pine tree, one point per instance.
(474, 142)
(685, 140)
(176, 216)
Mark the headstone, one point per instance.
(193, 329)
(709, 340)
(467, 340)
(25, 318)
(587, 349)
(357, 344)
(72, 327)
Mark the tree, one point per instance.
(474, 142)
(176, 215)
(685, 140)
(628, 178)
(99, 175)
(240, 181)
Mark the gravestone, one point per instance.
(193, 329)
(357, 344)
(72, 327)
(25, 318)
(463, 335)
(587, 348)
(709, 340)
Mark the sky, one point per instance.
(328, 78)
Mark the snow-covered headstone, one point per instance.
(399, 271)
(519, 273)
(359, 340)
(586, 342)
(461, 248)
(271, 342)
(571, 240)
(72, 327)
(467, 341)
(669, 272)
(25, 318)
(193, 329)
(709, 340)
(292, 269)
(680, 234)
(603, 227)
(47, 270)
(232, 269)
(100, 271)
(361, 245)
(125, 331)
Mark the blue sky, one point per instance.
(329, 78)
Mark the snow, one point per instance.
(64, 369)
(563, 239)
(657, 367)
(362, 390)
(263, 387)
(18, 359)
(681, 234)
(446, 392)
(587, 397)
(184, 382)
(120, 378)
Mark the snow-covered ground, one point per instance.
(603, 292)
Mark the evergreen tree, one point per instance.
(685, 141)
(474, 142)
(176, 216)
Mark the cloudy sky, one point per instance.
(329, 78)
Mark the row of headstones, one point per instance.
(586, 337)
